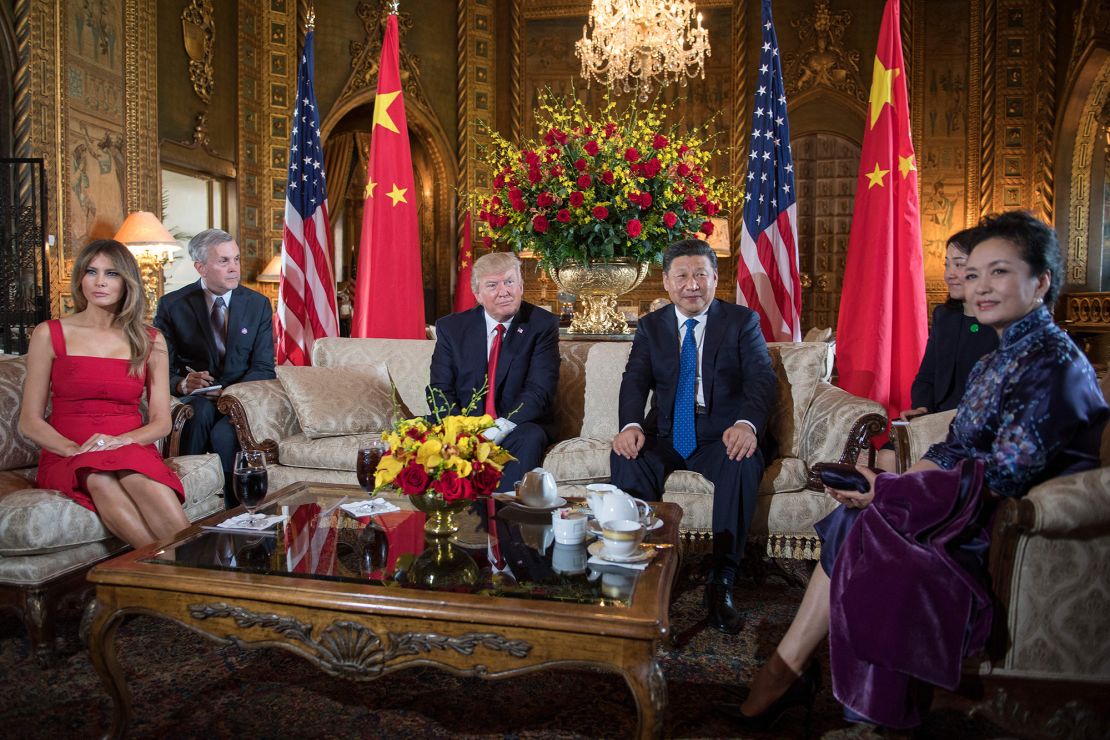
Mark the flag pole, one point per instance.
(393, 5)
(310, 19)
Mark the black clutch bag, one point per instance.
(844, 477)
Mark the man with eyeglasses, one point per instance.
(707, 366)
(502, 357)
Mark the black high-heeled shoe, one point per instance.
(801, 693)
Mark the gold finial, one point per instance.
(310, 20)
(393, 5)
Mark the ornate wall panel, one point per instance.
(1079, 242)
(268, 42)
(141, 96)
(477, 97)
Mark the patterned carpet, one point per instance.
(185, 686)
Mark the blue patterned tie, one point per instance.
(683, 436)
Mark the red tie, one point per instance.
(491, 370)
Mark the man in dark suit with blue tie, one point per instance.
(218, 332)
(515, 345)
(712, 386)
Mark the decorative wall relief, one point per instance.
(823, 60)
(477, 99)
(365, 54)
(96, 176)
(198, 29)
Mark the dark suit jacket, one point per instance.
(527, 369)
(737, 378)
(942, 377)
(182, 318)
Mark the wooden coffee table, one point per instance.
(241, 589)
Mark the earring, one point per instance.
(1039, 301)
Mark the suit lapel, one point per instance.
(476, 337)
(515, 338)
(196, 302)
(235, 319)
(714, 336)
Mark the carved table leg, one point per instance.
(38, 618)
(649, 688)
(102, 651)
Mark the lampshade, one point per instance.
(143, 233)
(272, 273)
(719, 239)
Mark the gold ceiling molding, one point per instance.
(823, 60)
(366, 54)
(198, 29)
(1089, 129)
(548, 9)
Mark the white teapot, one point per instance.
(538, 489)
(607, 502)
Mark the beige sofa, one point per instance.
(47, 542)
(815, 422)
(1050, 569)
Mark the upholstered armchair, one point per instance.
(1050, 570)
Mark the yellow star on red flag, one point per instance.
(882, 84)
(397, 195)
(370, 185)
(381, 111)
(906, 165)
(876, 176)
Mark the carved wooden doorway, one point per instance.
(826, 167)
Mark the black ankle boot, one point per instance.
(722, 613)
(801, 693)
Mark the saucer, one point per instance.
(593, 526)
(514, 501)
(597, 549)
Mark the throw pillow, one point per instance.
(337, 401)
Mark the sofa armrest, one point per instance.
(913, 439)
(179, 414)
(836, 428)
(1074, 505)
(261, 413)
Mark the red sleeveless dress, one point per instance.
(92, 395)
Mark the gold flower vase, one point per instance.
(597, 284)
(441, 514)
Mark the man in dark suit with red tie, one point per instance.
(218, 332)
(707, 367)
(515, 345)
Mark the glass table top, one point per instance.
(516, 558)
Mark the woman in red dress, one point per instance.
(93, 367)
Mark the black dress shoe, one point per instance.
(800, 694)
(722, 613)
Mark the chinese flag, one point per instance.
(882, 328)
(389, 298)
(464, 296)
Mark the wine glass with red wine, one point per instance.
(369, 455)
(250, 480)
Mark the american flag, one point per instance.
(767, 270)
(306, 296)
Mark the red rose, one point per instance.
(706, 227)
(645, 201)
(607, 177)
(487, 242)
(499, 181)
(557, 171)
(584, 182)
(534, 175)
(531, 158)
(563, 216)
(592, 148)
(690, 204)
(495, 202)
(601, 213)
(484, 478)
(669, 219)
(576, 198)
(412, 479)
(711, 208)
(652, 167)
(659, 142)
(561, 137)
(683, 169)
(683, 149)
(539, 224)
(515, 193)
(452, 487)
(518, 205)
(701, 199)
(545, 200)
(610, 129)
(580, 164)
(631, 154)
(633, 228)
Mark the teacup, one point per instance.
(568, 559)
(607, 502)
(569, 526)
(537, 489)
(621, 537)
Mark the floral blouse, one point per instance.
(1032, 411)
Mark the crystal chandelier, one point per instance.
(636, 42)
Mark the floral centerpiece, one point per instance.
(618, 184)
(441, 464)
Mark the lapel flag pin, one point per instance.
(520, 330)
(243, 330)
